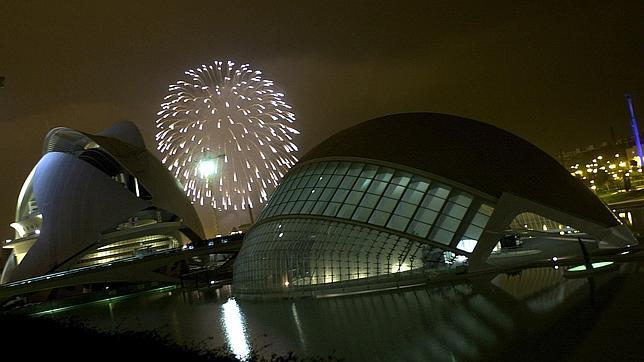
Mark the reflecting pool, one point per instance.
(536, 313)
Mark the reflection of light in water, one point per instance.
(111, 311)
(491, 312)
(233, 322)
(473, 327)
(298, 325)
(528, 282)
(549, 300)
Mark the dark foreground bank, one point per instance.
(41, 338)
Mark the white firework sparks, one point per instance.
(226, 135)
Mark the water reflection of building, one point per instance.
(93, 199)
(402, 197)
(541, 289)
(459, 322)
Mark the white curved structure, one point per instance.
(410, 196)
(96, 198)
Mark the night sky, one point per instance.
(553, 74)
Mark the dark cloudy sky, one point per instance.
(554, 73)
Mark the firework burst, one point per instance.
(226, 135)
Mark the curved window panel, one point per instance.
(380, 196)
(475, 229)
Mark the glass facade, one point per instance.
(127, 249)
(336, 221)
(286, 254)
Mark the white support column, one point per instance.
(509, 206)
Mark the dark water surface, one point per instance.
(534, 314)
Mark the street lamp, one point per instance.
(209, 166)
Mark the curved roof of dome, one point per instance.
(470, 152)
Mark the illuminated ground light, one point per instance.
(581, 270)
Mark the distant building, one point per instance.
(399, 198)
(586, 154)
(607, 167)
(93, 199)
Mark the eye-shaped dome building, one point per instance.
(406, 196)
(92, 199)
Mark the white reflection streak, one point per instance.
(298, 325)
(234, 329)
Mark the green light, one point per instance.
(207, 168)
(104, 301)
(598, 265)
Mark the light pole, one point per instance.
(207, 168)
